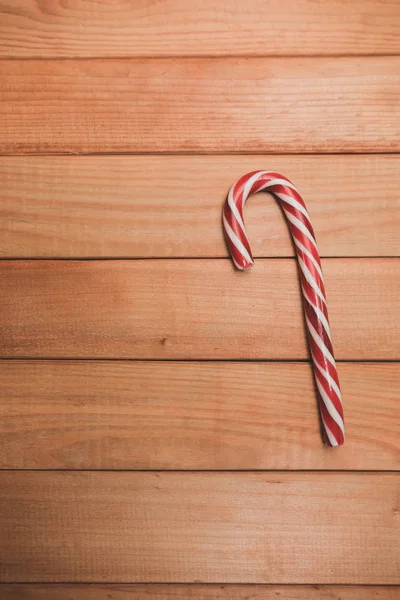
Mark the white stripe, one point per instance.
(310, 279)
(237, 243)
(320, 343)
(330, 407)
(239, 267)
(329, 379)
(320, 314)
(272, 182)
(295, 203)
(300, 226)
(235, 210)
(330, 435)
(310, 256)
(249, 184)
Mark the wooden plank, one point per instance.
(208, 105)
(83, 28)
(194, 592)
(122, 415)
(199, 527)
(114, 206)
(192, 309)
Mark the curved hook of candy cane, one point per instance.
(312, 284)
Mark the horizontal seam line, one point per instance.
(175, 258)
(196, 360)
(198, 57)
(202, 471)
(194, 584)
(195, 153)
(264, 152)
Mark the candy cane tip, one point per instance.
(244, 266)
(334, 442)
(248, 266)
(331, 444)
(242, 263)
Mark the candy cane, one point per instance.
(314, 300)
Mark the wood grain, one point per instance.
(192, 309)
(194, 592)
(121, 415)
(89, 28)
(194, 527)
(208, 105)
(165, 206)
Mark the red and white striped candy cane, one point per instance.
(314, 301)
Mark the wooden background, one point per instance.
(159, 435)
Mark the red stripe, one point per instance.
(318, 355)
(333, 426)
(279, 188)
(296, 213)
(330, 392)
(314, 297)
(312, 302)
(257, 185)
(318, 326)
(324, 364)
(302, 238)
(239, 187)
(275, 175)
(236, 228)
(295, 194)
(313, 269)
(237, 256)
